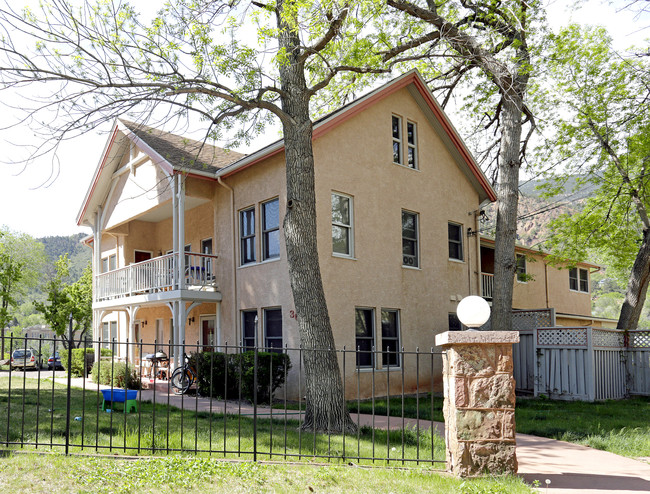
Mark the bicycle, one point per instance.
(183, 377)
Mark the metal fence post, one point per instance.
(67, 405)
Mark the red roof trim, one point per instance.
(96, 178)
(409, 78)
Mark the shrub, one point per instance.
(222, 375)
(115, 374)
(77, 367)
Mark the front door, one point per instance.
(207, 328)
(141, 255)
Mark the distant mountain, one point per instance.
(79, 254)
(535, 212)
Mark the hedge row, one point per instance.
(225, 375)
(77, 367)
(115, 374)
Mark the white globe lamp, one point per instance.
(473, 311)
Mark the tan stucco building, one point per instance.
(188, 242)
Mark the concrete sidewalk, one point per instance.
(572, 469)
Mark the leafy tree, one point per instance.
(603, 134)
(232, 64)
(21, 258)
(68, 299)
(487, 51)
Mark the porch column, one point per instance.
(479, 406)
(181, 232)
(175, 250)
(97, 269)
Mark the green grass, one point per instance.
(57, 473)
(621, 427)
(163, 427)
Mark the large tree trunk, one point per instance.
(507, 204)
(325, 406)
(637, 287)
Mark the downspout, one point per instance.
(546, 282)
(234, 254)
(479, 285)
(97, 261)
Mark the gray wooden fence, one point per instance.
(582, 363)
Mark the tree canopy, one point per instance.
(602, 103)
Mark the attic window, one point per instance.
(404, 155)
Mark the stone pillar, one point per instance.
(479, 407)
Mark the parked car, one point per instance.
(26, 358)
(54, 362)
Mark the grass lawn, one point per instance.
(621, 427)
(56, 473)
(38, 417)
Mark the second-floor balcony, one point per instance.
(157, 275)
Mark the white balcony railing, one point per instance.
(155, 275)
(487, 285)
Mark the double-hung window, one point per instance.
(249, 323)
(342, 233)
(455, 241)
(411, 145)
(271, 229)
(364, 336)
(390, 356)
(109, 263)
(397, 140)
(273, 330)
(579, 280)
(521, 268)
(109, 334)
(247, 235)
(410, 239)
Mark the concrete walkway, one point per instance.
(571, 469)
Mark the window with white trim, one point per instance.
(109, 334)
(397, 139)
(273, 330)
(390, 348)
(271, 229)
(342, 230)
(521, 268)
(410, 239)
(109, 263)
(579, 280)
(364, 330)
(455, 241)
(411, 145)
(247, 235)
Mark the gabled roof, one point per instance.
(181, 152)
(427, 102)
(174, 153)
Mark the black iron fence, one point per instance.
(226, 401)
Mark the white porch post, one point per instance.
(181, 234)
(97, 269)
(175, 250)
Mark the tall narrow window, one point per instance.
(390, 356)
(521, 268)
(273, 330)
(342, 234)
(248, 329)
(412, 145)
(410, 239)
(271, 229)
(365, 337)
(584, 280)
(455, 241)
(109, 335)
(207, 267)
(397, 140)
(247, 235)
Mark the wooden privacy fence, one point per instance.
(582, 363)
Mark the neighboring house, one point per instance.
(541, 285)
(188, 241)
(39, 331)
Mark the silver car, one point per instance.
(26, 358)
